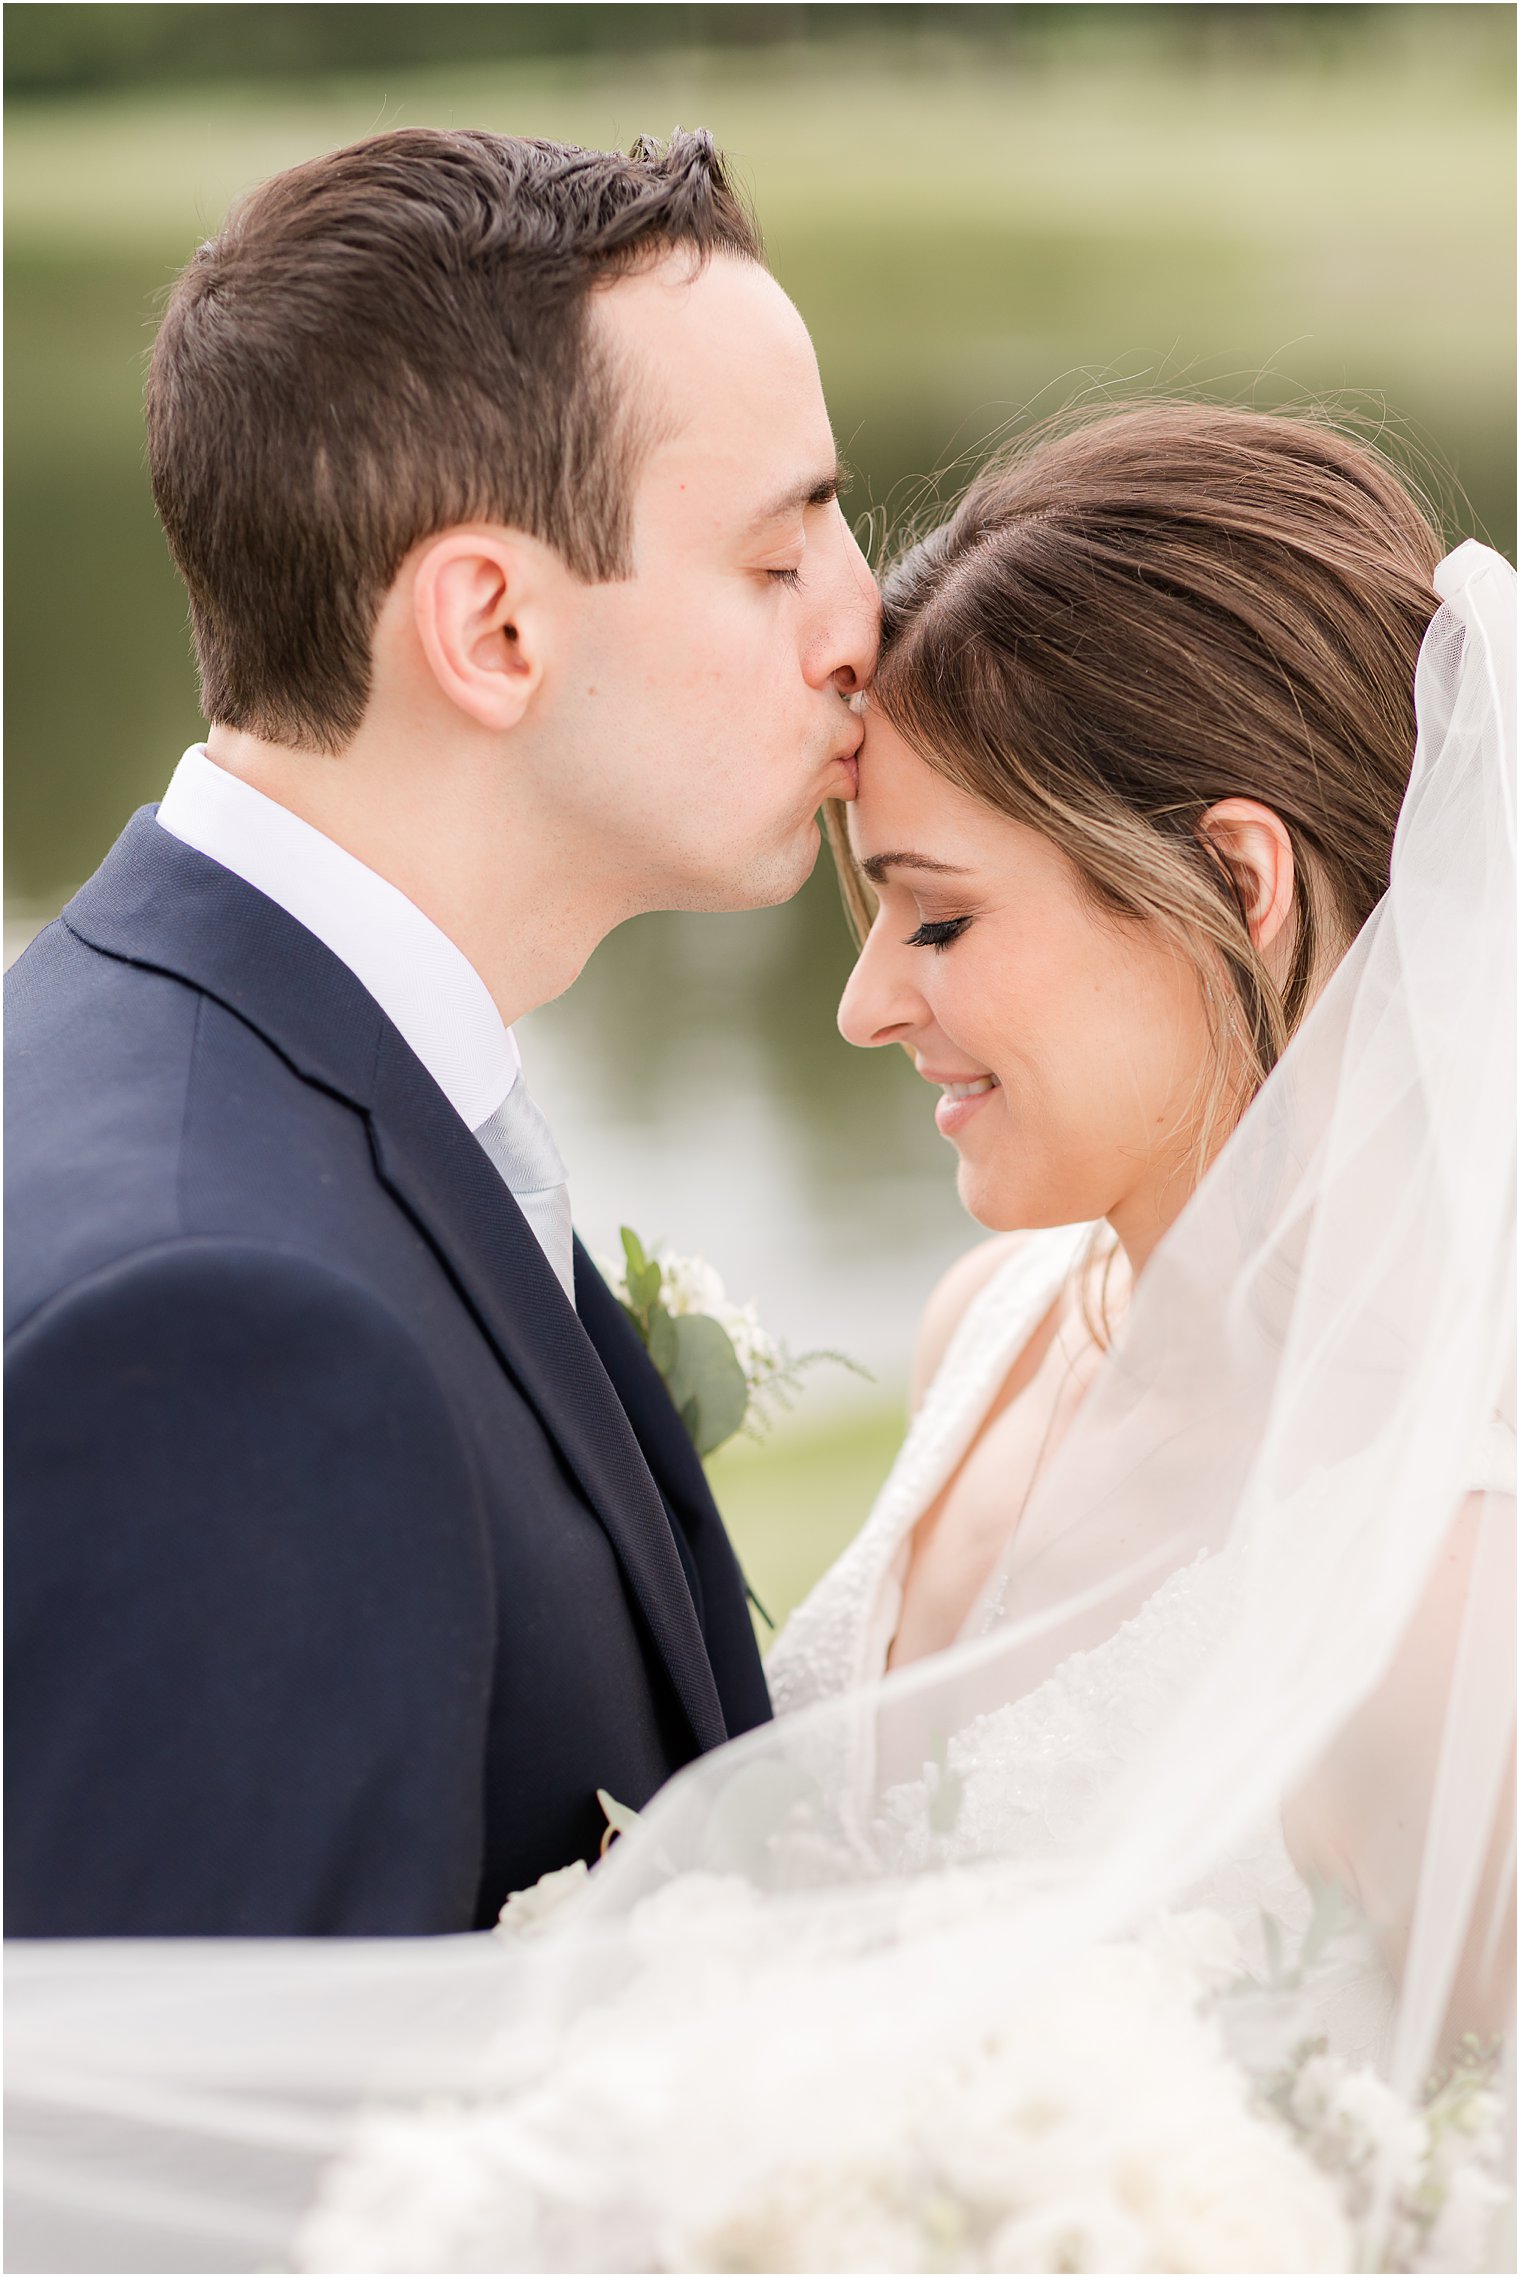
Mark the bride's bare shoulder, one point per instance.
(952, 1299)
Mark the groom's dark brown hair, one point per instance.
(386, 341)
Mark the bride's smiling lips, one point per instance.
(961, 1097)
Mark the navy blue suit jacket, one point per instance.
(345, 1560)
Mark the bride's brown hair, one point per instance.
(1130, 617)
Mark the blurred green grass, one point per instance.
(793, 1501)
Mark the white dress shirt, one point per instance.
(424, 984)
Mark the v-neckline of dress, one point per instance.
(839, 1636)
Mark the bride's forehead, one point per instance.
(890, 765)
(898, 786)
(904, 805)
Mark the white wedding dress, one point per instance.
(840, 1635)
(1029, 1774)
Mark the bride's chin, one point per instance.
(995, 1203)
(1013, 1202)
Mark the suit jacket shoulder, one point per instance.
(249, 1240)
(281, 1603)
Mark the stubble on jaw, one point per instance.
(767, 882)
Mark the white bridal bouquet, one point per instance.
(750, 2101)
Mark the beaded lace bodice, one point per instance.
(833, 1640)
(1028, 1776)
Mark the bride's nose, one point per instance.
(880, 1005)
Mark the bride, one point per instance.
(1126, 1882)
(1097, 896)
(1138, 740)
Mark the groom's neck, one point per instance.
(521, 902)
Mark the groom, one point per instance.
(353, 1542)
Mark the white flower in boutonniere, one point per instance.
(723, 1370)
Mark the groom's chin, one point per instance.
(768, 880)
(794, 866)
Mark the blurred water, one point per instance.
(969, 242)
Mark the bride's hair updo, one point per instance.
(1130, 618)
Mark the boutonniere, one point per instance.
(723, 1370)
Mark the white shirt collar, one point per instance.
(425, 985)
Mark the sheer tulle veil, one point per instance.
(1309, 1400)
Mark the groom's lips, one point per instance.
(847, 762)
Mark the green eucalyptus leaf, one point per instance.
(1272, 1945)
(1326, 1921)
(644, 1286)
(661, 1340)
(707, 1377)
(633, 1251)
(638, 1320)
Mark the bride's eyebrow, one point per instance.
(876, 866)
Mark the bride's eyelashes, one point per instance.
(791, 577)
(938, 933)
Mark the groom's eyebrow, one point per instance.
(876, 866)
(812, 490)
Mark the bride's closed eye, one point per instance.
(938, 933)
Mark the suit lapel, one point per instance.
(443, 1178)
(641, 1392)
(157, 902)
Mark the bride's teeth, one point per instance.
(969, 1090)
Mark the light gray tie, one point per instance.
(521, 1145)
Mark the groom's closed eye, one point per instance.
(816, 490)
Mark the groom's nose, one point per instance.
(843, 649)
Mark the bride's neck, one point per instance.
(1138, 1232)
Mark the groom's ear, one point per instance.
(483, 607)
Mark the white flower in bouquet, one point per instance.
(1430, 2174)
(1201, 1946)
(753, 2102)
(1354, 2120)
(1465, 2202)
(527, 1911)
(752, 2098)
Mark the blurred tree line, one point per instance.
(60, 49)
